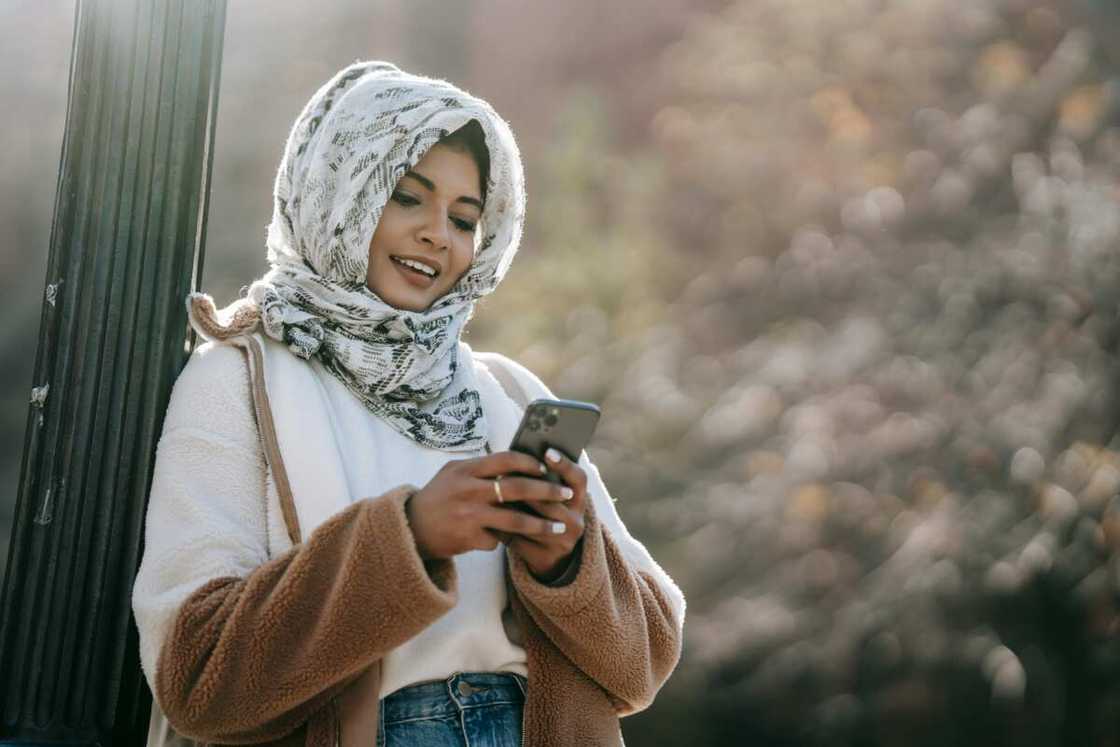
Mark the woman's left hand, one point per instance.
(548, 555)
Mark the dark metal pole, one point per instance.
(126, 246)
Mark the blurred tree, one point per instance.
(596, 267)
(901, 522)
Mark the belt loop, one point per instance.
(450, 683)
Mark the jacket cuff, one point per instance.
(580, 584)
(430, 584)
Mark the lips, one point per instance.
(419, 272)
(417, 264)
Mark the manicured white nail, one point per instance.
(553, 456)
(567, 493)
(558, 527)
(543, 469)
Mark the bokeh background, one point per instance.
(844, 276)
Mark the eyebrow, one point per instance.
(431, 187)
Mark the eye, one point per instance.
(405, 199)
(463, 225)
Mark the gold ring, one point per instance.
(498, 489)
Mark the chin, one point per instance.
(406, 303)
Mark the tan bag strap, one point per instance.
(270, 444)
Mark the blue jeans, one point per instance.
(475, 709)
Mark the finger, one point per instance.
(521, 523)
(530, 489)
(506, 462)
(552, 511)
(566, 513)
(570, 472)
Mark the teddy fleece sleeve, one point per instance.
(620, 616)
(238, 647)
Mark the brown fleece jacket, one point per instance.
(287, 650)
(610, 633)
(250, 659)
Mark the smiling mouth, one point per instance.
(416, 267)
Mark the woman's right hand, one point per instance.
(458, 510)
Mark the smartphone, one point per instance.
(563, 424)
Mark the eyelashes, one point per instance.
(406, 200)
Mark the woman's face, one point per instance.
(424, 241)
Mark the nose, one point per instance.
(434, 230)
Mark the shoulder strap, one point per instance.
(266, 429)
(509, 382)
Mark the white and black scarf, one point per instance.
(359, 133)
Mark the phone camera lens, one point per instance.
(534, 425)
(550, 419)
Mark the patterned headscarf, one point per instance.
(359, 133)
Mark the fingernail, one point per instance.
(553, 456)
(567, 493)
(558, 527)
(543, 469)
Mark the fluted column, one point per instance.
(125, 248)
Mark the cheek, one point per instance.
(383, 237)
(463, 256)
(389, 226)
(377, 261)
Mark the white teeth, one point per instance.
(417, 266)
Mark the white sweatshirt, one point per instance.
(377, 458)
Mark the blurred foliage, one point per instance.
(849, 303)
(874, 437)
(883, 422)
(594, 268)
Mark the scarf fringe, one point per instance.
(239, 318)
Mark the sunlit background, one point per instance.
(843, 275)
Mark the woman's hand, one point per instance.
(458, 510)
(548, 555)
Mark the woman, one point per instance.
(296, 587)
